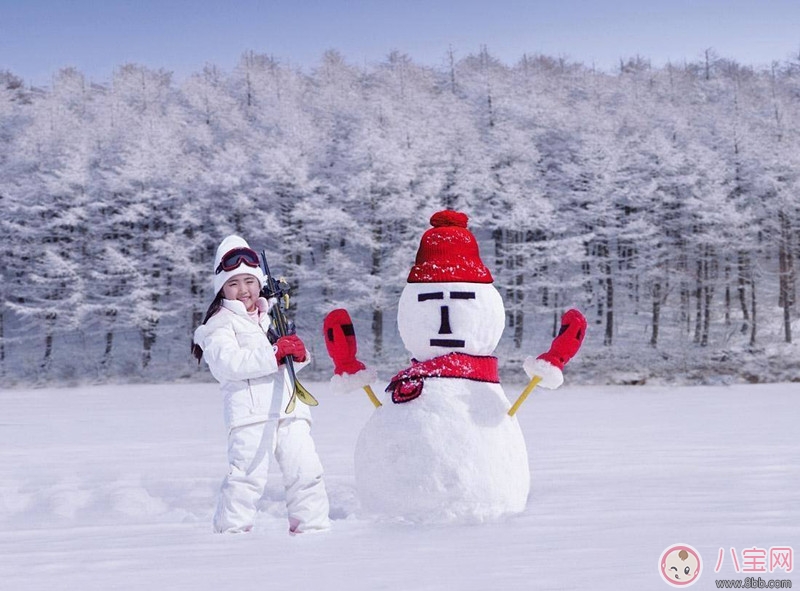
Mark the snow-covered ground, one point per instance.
(113, 487)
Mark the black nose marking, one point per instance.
(444, 326)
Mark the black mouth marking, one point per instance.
(447, 343)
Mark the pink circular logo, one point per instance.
(680, 565)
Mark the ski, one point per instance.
(284, 326)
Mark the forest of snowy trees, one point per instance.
(664, 202)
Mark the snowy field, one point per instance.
(113, 487)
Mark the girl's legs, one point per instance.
(248, 459)
(306, 498)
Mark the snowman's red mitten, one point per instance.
(340, 340)
(549, 366)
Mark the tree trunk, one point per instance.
(197, 313)
(753, 310)
(709, 273)
(743, 265)
(698, 294)
(787, 324)
(606, 307)
(377, 312)
(519, 313)
(682, 269)
(48, 350)
(377, 330)
(609, 310)
(109, 346)
(110, 316)
(556, 324)
(786, 274)
(2, 345)
(708, 296)
(48, 340)
(656, 313)
(148, 341)
(326, 290)
(519, 295)
(727, 294)
(500, 263)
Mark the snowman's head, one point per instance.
(450, 303)
(439, 318)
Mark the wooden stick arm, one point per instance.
(372, 397)
(528, 389)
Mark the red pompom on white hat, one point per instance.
(448, 252)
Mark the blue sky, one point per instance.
(37, 37)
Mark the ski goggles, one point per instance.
(234, 258)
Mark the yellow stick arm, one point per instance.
(372, 397)
(528, 389)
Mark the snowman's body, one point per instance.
(452, 453)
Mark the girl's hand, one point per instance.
(290, 345)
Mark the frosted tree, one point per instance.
(15, 117)
(372, 142)
(214, 167)
(145, 107)
(546, 104)
(596, 190)
(50, 221)
(277, 183)
(781, 190)
(743, 172)
(511, 189)
(660, 200)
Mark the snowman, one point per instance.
(443, 447)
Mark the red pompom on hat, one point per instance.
(448, 252)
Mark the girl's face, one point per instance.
(242, 287)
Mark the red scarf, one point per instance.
(407, 384)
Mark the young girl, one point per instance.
(233, 340)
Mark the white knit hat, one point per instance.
(230, 243)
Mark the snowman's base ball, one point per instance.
(451, 455)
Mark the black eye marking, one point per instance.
(436, 295)
(348, 330)
(462, 295)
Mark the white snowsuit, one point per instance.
(256, 393)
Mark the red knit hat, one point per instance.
(448, 252)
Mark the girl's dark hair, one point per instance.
(197, 352)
